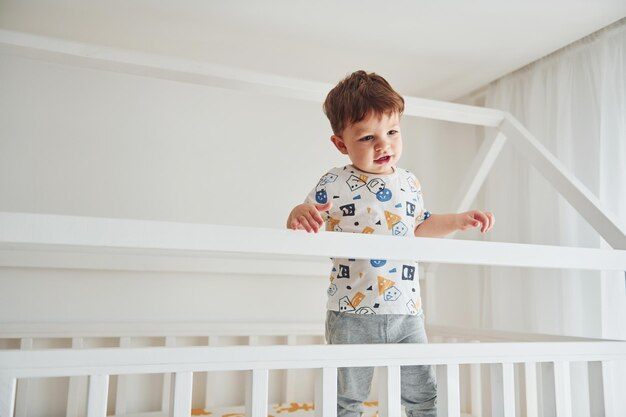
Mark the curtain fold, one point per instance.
(574, 102)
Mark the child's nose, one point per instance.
(381, 145)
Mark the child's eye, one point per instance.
(366, 138)
(392, 132)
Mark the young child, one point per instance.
(375, 300)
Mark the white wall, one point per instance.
(86, 142)
(92, 143)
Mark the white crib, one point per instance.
(94, 364)
(489, 373)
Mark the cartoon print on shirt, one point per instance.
(400, 229)
(326, 179)
(365, 310)
(332, 289)
(344, 271)
(321, 197)
(412, 184)
(408, 272)
(376, 185)
(389, 205)
(392, 294)
(354, 183)
(348, 209)
(410, 209)
(345, 305)
(384, 195)
(356, 300)
(384, 284)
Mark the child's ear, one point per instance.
(339, 144)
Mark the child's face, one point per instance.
(374, 144)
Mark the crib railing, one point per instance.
(45, 241)
(539, 363)
(182, 362)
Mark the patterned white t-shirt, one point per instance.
(372, 203)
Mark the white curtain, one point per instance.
(574, 102)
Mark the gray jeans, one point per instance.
(419, 387)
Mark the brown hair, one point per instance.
(356, 96)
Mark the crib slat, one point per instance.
(562, 389)
(508, 389)
(170, 341)
(289, 374)
(257, 393)
(453, 390)
(98, 394)
(608, 381)
(122, 383)
(326, 392)
(389, 391)
(77, 390)
(213, 388)
(181, 401)
(596, 388)
(8, 387)
(21, 400)
(476, 392)
(530, 383)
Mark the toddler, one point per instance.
(375, 300)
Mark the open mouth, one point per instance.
(383, 160)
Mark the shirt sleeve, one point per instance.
(319, 194)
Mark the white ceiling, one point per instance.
(426, 48)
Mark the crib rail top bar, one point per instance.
(41, 232)
(177, 69)
(116, 361)
(143, 329)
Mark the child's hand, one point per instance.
(475, 218)
(307, 216)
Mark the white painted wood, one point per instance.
(257, 393)
(166, 397)
(77, 390)
(442, 390)
(98, 394)
(476, 390)
(289, 376)
(546, 392)
(497, 390)
(389, 392)
(52, 232)
(478, 171)
(181, 398)
(326, 392)
(608, 381)
(583, 200)
(530, 385)
(562, 389)
(214, 330)
(508, 389)
(453, 388)
(66, 362)
(596, 389)
(8, 387)
(22, 399)
(121, 393)
(213, 387)
(176, 69)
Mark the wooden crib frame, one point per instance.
(30, 240)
